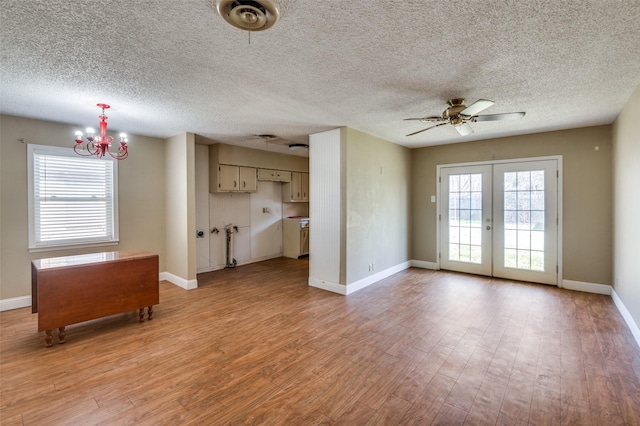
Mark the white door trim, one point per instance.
(558, 158)
(444, 220)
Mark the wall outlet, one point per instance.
(371, 267)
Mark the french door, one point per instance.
(501, 220)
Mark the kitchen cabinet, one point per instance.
(304, 186)
(295, 237)
(248, 179)
(298, 189)
(274, 175)
(233, 178)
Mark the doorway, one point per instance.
(501, 219)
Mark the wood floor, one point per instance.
(256, 345)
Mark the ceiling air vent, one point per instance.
(249, 15)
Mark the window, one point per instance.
(72, 199)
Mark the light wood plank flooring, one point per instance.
(256, 345)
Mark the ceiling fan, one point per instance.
(459, 115)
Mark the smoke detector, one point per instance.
(249, 15)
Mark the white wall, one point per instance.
(326, 210)
(230, 208)
(266, 221)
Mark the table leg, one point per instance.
(61, 335)
(141, 314)
(48, 337)
(150, 313)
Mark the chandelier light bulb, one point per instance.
(100, 145)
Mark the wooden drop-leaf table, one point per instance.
(72, 289)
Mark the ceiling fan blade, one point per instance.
(424, 130)
(464, 129)
(499, 117)
(476, 107)
(425, 119)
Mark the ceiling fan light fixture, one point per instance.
(249, 15)
(459, 115)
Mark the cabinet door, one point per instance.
(268, 175)
(283, 176)
(296, 186)
(304, 241)
(304, 186)
(248, 179)
(228, 178)
(291, 190)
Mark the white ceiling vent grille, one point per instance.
(249, 15)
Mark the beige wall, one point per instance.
(626, 177)
(239, 156)
(378, 183)
(181, 207)
(140, 199)
(587, 201)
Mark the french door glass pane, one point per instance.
(465, 218)
(524, 220)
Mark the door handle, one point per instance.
(488, 228)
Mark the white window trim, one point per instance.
(68, 152)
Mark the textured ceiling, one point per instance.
(172, 66)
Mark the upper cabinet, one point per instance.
(274, 175)
(248, 179)
(298, 189)
(238, 169)
(226, 178)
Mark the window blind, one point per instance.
(73, 199)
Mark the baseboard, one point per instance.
(372, 279)
(626, 315)
(329, 286)
(425, 265)
(15, 303)
(360, 284)
(179, 281)
(587, 287)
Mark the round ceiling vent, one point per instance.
(249, 15)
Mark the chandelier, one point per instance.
(99, 145)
